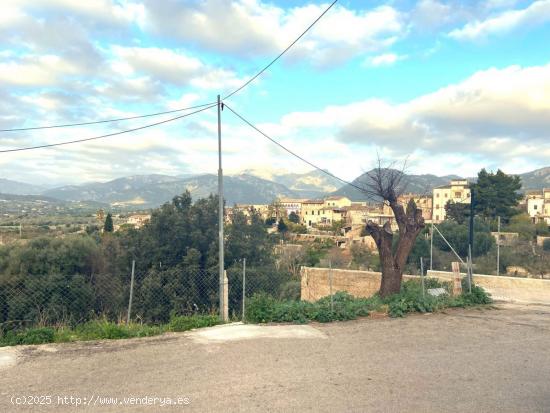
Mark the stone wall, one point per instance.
(514, 289)
(315, 284)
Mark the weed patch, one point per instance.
(263, 308)
(103, 330)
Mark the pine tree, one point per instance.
(497, 194)
(108, 227)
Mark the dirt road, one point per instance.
(490, 360)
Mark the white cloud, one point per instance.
(431, 14)
(535, 14)
(498, 114)
(251, 28)
(171, 67)
(31, 70)
(386, 59)
(167, 65)
(96, 11)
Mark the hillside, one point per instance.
(28, 206)
(146, 191)
(419, 184)
(537, 179)
(18, 188)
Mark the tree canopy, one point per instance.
(108, 227)
(496, 194)
(456, 211)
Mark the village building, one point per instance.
(423, 202)
(337, 201)
(291, 205)
(457, 191)
(538, 206)
(138, 220)
(310, 214)
(247, 210)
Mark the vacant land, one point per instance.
(462, 360)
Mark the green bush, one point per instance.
(410, 299)
(31, 336)
(291, 290)
(546, 245)
(263, 308)
(104, 329)
(184, 323)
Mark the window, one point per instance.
(437, 217)
(445, 195)
(458, 194)
(535, 206)
(437, 195)
(437, 206)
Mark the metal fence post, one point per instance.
(470, 269)
(432, 246)
(422, 275)
(244, 286)
(330, 284)
(131, 292)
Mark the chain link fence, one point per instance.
(153, 297)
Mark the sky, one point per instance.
(445, 87)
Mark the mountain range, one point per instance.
(145, 191)
(249, 187)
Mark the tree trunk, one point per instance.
(391, 281)
(410, 224)
(391, 273)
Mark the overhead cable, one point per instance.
(65, 125)
(280, 54)
(292, 152)
(107, 135)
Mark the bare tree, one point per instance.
(386, 184)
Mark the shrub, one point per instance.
(184, 323)
(260, 308)
(31, 336)
(263, 308)
(102, 330)
(410, 298)
(291, 290)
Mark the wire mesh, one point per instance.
(68, 300)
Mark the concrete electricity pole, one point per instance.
(498, 248)
(220, 214)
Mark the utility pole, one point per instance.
(220, 212)
(432, 246)
(498, 248)
(422, 275)
(131, 292)
(471, 236)
(244, 286)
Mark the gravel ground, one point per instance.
(483, 360)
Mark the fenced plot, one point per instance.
(152, 296)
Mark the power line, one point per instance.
(107, 135)
(105, 120)
(65, 125)
(292, 152)
(282, 53)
